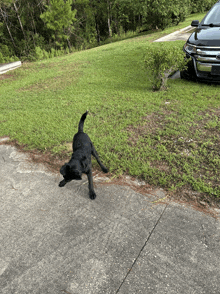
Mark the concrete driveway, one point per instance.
(182, 34)
(56, 240)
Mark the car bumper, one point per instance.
(199, 70)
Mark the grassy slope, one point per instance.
(134, 131)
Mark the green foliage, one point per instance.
(2, 60)
(201, 6)
(59, 18)
(5, 50)
(6, 54)
(1, 29)
(160, 59)
(163, 13)
(41, 54)
(83, 24)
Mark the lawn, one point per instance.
(171, 138)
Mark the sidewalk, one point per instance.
(4, 67)
(56, 240)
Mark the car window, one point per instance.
(213, 16)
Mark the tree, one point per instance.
(4, 4)
(59, 18)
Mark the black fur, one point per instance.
(80, 161)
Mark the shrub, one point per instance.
(2, 60)
(160, 60)
(5, 50)
(39, 53)
(6, 54)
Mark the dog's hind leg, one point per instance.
(92, 193)
(95, 154)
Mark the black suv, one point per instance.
(203, 48)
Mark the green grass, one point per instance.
(135, 131)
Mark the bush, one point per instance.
(6, 54)
(12, 59)
(160, 60)
(40, 54)
(5, 50)
(7, 59)
(163, 13)
(2, 60)
(201, 6)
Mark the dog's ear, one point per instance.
(64, 169)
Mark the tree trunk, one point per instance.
(16, 9)
(109, 27)
(109, 21)
(69, 45)
(97, 30)
(5, 20)
(33, 24)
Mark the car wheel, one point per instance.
(186, 76)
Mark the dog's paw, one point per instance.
(62, 183)
(92, 195)
(104, 169)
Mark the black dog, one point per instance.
(80, 161)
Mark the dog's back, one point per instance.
(81, 139)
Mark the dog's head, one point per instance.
(72, 170)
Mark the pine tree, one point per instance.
(59, 18)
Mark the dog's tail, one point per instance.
(81, 123)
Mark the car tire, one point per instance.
(186, 76)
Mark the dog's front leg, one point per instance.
(92, 193)
(95, 154)
(62, 183)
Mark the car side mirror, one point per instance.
(195, 23)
